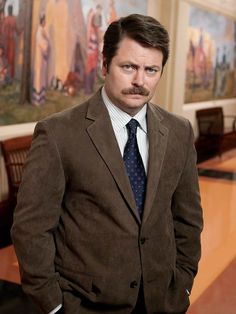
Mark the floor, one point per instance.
(220, 296)
(214, 287)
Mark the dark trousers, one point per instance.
(140, 307)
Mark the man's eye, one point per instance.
(151, 70)
(128, 67)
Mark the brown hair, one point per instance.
(142, 28)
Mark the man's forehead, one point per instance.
(129, 43)
(134, 52)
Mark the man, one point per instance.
(4, 69)
(98, 234)
(10, 30)
(94, 35)
(41, 56)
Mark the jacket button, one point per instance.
(133, 284)
(142, 240)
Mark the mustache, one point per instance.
(136, 90)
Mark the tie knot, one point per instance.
(132, 126)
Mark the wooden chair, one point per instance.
(14, 152)
(216, 135)
(6, 218)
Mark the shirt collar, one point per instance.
(120, 118)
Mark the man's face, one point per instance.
(133, 75)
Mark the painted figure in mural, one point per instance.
(42, 49)
(78, 46)
(10, 30)
(75, 79)
(201, 62)
(112, 15)
(4, 68)
(216, 80)
(108, 218)
(2, 9)
(94, 38)
(224, 72)
(220, 74)
(2, 15)
(191, 73)
(2, 5)
(59, 30)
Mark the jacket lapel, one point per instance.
(102, 135)
(158, 136)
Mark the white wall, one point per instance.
(15, 130)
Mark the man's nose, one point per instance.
(139, 78)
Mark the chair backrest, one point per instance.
(14, 153)
(210, 121)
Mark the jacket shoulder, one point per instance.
(169, 119)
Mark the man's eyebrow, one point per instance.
(153, 66)
(136, 64)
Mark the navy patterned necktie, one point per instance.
(134, 166)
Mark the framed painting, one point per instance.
(211, 57)
(57, 55)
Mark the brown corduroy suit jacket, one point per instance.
(77, 232)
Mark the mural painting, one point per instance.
(65, 48)
(211, 57)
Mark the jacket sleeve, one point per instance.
(36, 218)
(187, 216)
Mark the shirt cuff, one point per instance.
(56, 309)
